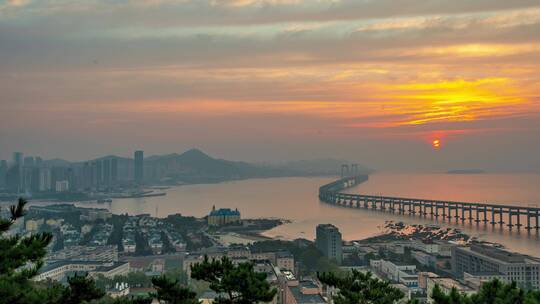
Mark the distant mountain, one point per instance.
(195, 166)
(57, 162)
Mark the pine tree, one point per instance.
(20, 260)
(493, 291)
(234, 284)
(361, 288)
(81, 288)
(170, 291)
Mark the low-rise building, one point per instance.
(294, 291)
(423, 258)
(33, 224)
(401, 273)
(118, 290)
(509, 267)
(423, 277)
(223, 216)
(445, 248)
(427, 246)
(285, 261)
(58, 270)
(107, 253)
(475, 281)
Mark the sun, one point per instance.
(436, 143)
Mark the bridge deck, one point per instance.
(331, 193)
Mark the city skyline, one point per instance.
(366, 81)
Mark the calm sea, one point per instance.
(296, 199)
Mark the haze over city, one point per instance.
(414, 86)
(269, 151)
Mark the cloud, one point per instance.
(348, 68)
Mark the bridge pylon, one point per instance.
(344, 170)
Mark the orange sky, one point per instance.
(312, 76)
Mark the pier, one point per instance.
(493, 214)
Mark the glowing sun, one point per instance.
(436, 143)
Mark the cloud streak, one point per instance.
(324, 70)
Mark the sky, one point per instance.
(398, 85)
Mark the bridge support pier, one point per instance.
(331, 193)
(528, 227)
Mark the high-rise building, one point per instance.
(17, 158)
(107, 172)
(45, 179)
(15, 176)
(71, 177)
(27, 179)
(13, 179)
(94, 170)
(62, 186)
(35, 179)
(328, 241)
(99, 173)
(86, 182)
(3, 173)
(38, 161)
(29, 161)
(139, 166)
(114, 171)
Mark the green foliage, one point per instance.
(234, 283)
(370, 256)
(16, 251)
(357, 287)
(188, 226)
(88, 237)
(59, 240)
(141, 244)
(167, 245)
(170, 291)
(81, 289)
(117, 234)
(124, 300)
(20, 260)
(491, 292)
(133, 279)
(310, 258)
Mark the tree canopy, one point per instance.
(491, 292)
(234, 284)
(356, 287)
(170, 291)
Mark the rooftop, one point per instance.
(224, 212)
(499, 254)
(449, 283)
(100, 265)
(305, 297)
